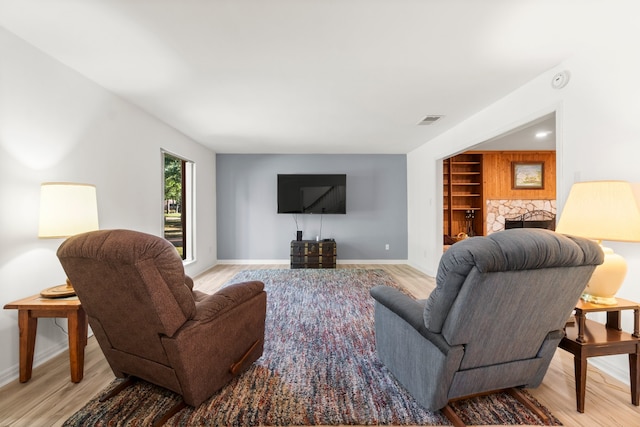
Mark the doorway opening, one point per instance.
(506, 177)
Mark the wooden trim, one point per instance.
(456, 421)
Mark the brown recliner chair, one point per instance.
(149, 321)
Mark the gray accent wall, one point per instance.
(249, 227)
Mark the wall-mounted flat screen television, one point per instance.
(312, 194)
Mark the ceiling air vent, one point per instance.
(429, 120)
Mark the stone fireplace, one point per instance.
(499, 210)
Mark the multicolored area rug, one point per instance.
(319, 367)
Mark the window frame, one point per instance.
(188, 203)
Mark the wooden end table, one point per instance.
(587, 338)
(33, 307)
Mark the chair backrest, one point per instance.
(501, 295)
(132, 286)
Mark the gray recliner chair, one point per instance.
(493, 321)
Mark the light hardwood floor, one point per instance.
(49, 398)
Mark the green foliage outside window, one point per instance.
(174, 225)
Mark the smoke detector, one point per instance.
(561, 79)
(429, 120)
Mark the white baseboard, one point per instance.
(616, 366)
(253, 261)
(371, 261)
(288, 261)
(422, 269)
(13, 372)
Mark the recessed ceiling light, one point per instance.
(543, 134)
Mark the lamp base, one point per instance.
(59, 291)
(606, 279)
(593, 299)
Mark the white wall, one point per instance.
(57, 126)
(598, 137)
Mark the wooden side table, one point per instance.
(587, 338)
(33, 307)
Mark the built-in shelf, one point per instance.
(462, 191)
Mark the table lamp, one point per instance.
(66, 209)
(603, 210)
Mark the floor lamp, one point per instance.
(603, 210)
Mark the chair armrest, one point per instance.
(225, 299)
(188, 281)
(401, 304)
(410, 310)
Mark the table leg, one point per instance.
(614, 320)
(28, 326)
(634, 372)
(580, 373)
(580, 319)
(77, 322)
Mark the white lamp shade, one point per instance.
(67, 209)
(602, 210)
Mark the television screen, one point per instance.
(312, 194)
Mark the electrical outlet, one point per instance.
(386, 247)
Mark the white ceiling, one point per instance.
(527, 137)
(310, 76)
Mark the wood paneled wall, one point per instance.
(497, 171)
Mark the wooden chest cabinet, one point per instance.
(312, 254)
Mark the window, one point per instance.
(178, 207)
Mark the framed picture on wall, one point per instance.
(527, 175)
